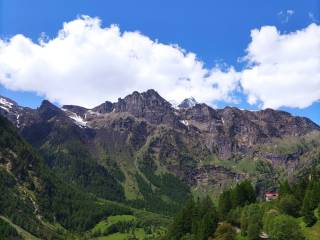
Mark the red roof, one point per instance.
(271, 193)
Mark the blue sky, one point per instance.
(217, 31)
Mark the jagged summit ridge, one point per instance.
(226, 130)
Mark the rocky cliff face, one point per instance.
(143, 131)
(242, 126)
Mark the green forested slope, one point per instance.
(32, 196)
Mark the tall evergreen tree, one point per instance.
(182, 223)
(243, 194)
(311, 202)
(209, 219)
(197, 220)
(225, 204)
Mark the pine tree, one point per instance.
(183, 222)
(198, 220)
(225, 204)
(209, 220)
(310, 202)
(243, 194)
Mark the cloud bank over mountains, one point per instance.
(87, 64)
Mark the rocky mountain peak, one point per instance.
(147, 98)
(48, 110)
(151, 93)
(149, 105)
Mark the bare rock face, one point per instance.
(223, 131)
(148, 105)
(200, 113)
(47, 110)
(80, 111)
(105, 107)
(231, 130)
(213, 175)
(278, 123)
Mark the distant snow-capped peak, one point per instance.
(188, 103)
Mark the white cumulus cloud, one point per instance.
(284, 69)
(87, 64)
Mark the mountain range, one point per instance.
(143, 152)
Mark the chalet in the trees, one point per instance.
(269, 196)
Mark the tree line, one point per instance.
(239, 211)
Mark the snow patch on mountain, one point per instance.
(18, 120)
(5, 104)
(185, 122)
(78, 120)
(4, 108)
